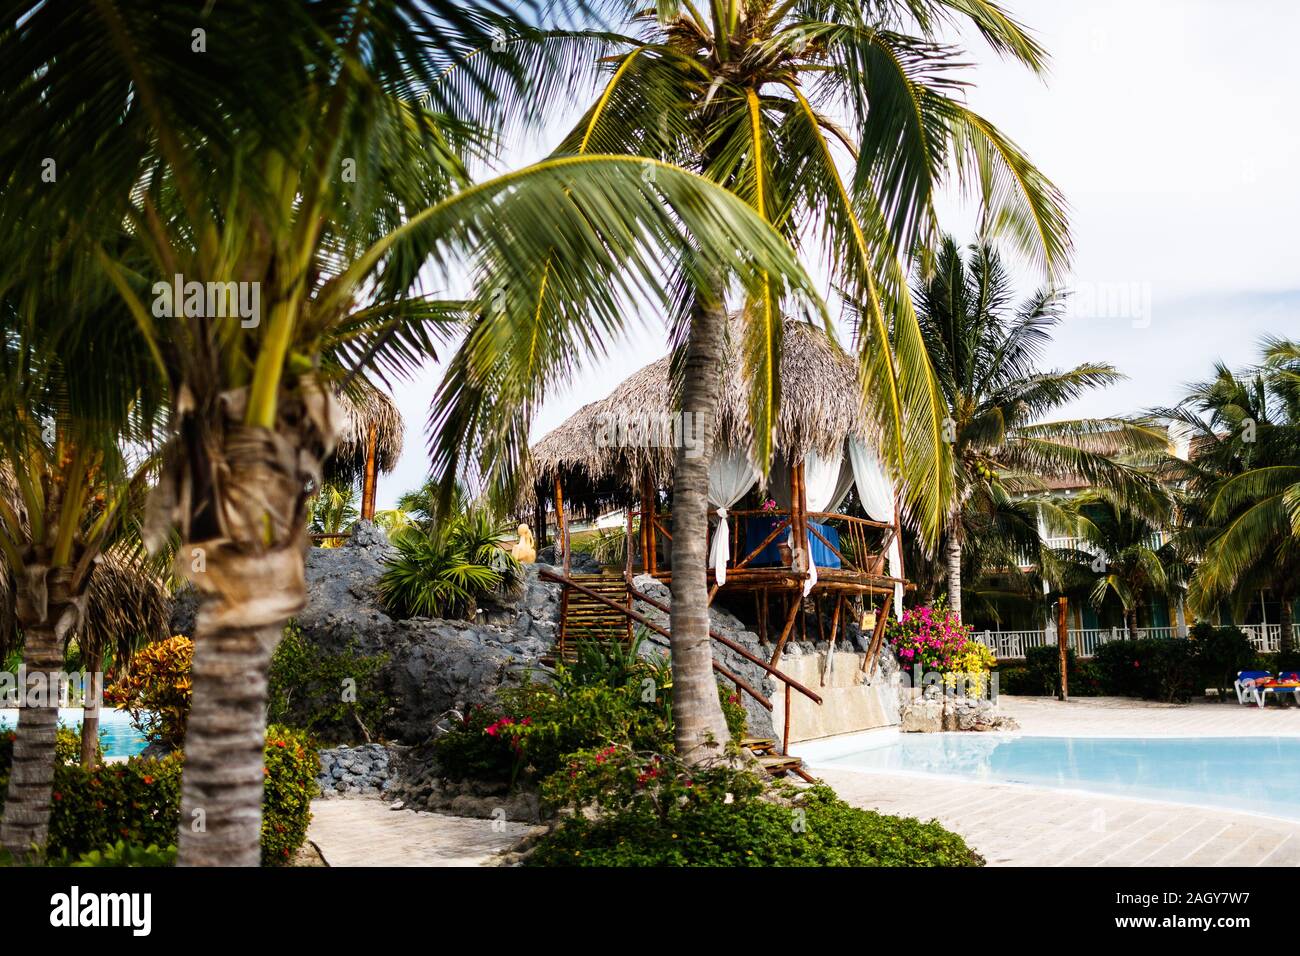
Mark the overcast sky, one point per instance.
(1172, 128)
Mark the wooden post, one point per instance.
(371, 478)
(1062, 643)
(648, 557)
(539, 522)
(898, 535)
(561, 529)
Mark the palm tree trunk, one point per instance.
(1131, 622)
(221, 788)
(94, 666)
(954, 573)
(1286, 639)
(700, 728)
(26, 823)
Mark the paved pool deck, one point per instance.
(1013, 825)
(369, 832)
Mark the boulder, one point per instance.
(921, 715)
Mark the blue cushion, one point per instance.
(1253, 675)
(758, 527)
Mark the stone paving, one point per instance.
(367, 832)
(1014, 825)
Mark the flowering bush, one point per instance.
(139, 801)
(933, 640)
(156, 690)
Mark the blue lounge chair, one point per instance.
(1254, 686)
(1246, 687)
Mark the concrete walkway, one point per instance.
(367, 832)
(1013, 825)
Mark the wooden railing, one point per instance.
(858, 549)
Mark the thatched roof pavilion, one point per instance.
(798, 544)
(820, 407)
(370, 442)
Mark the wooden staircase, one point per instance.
(583, 617)
(772, 760)
(599, 607)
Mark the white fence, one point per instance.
(1008, 645)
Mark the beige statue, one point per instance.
(525, 549)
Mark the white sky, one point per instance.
(1172, 128)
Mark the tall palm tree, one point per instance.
(986, 352)
(314, 171)
(1240, 510)
(837, 121)
(1121, 552)
(66, 494)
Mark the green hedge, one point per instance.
(138, 802)
(818, 830)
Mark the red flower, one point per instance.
(148, 779)
(57, 795)
(279, 743)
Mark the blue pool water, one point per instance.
(116, 735)
(1255, 774)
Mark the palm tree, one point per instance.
(768, 99)
(334, 511)
(1121, 551)
(314, 179)
(1240, 510)
(128, 603)
(986, 353)
(66, 494)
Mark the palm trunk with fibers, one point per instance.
(251, 580)
(93, 664)
(953, 548)
(1131, 622)
(1286, 638)
(700, 727)
(46, 612)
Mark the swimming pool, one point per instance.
(116, 735)
(1254, 774)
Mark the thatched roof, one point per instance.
(126, 602)
(820, 407)
(365, 404)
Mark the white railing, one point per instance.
(1267, 638)
(1070, 543)
(1010, 645)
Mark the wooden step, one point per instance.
(780, 764)
(758, 744)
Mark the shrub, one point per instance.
(314, 690)
(291, 765)
(138, 802)
(445, 571)
(729, 818)
(122, 853)
(1163, 668)
(1222, 652)
(535, 726)
(156, 691)
(936, 641)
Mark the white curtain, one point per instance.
(877, 494)
(730, 476)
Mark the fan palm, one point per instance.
(1240, 509)
(986, 353)
(298, 153)
(768, 99)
